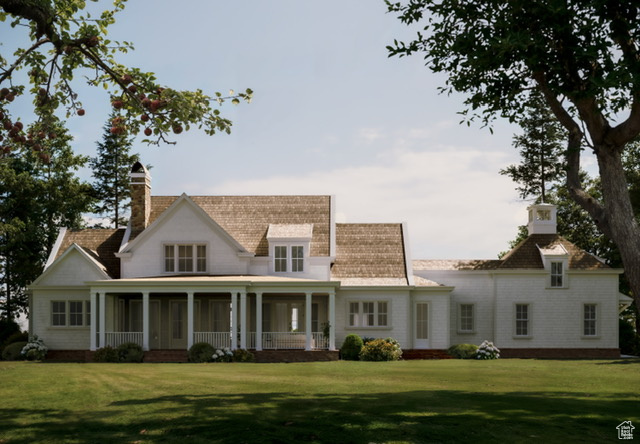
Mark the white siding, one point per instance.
(58, 338)
(185, 225)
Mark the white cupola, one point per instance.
(542, 219)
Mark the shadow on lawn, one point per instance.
(415, 416)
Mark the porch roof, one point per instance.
(174, 283)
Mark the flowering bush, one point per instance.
(222, 355)
(35, 350)
(381, 350)
(487, 350)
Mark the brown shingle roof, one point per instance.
(456, 264)
(527, 255)
(247, 218)
(369, 251)
(101, 243)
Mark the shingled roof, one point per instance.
(370, 251)
(247, 218)
(100, 243)
(525, 255)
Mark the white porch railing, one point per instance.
(114, 339)
(270, 340)
(218, 339)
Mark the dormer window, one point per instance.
(557, 274)
(284, 262)
(185, 258)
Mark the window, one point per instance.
(185, 258)
(281, 259)
(369, 314)
(466, 318)
(590, 312)
(556, 274)
(284, 262)
(59, 313)
(522, 319)
(70, 313)
(297, 259)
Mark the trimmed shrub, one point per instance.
(201, 352)
(18, 336)
(463, 351)
(242, 355)
(487, 350)
(381, 350)
(629, 339)
(130, 352)
(351, 347)
(106, 354)
(13, 352)
(35, 350)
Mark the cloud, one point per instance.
(454, 200)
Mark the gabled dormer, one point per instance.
(289, 246)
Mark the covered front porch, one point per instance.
(257, 313)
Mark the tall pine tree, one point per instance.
(39, 194)
(541, 151)
(111, 174)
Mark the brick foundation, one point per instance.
(69, 356)
(561, 353)
(412, 354)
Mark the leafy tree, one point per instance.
(583, 57)
(541, 150)
(66, 40)
(111, 174)
(39, 193)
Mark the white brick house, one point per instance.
(277, 272)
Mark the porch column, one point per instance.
(258, 321)
(332, 320)
(307, 321)
(145, 320)
(189, 319)
(92, 321)
(243, 320)
(103, 320)
(234, 320)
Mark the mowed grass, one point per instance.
(333, 402)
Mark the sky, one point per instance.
(331, 114)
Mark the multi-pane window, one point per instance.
(281, 259)
(556, 274)
(76, 313)
(590, 313)
(59, 313)
(466, 318)
(185, 258)
(368, 314)
(297, 259)
(522, 319)
(70, 313)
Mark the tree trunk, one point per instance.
(620, 218)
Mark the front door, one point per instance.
(422, 325)
(178, 314)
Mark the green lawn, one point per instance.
(333, 402)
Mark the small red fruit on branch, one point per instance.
(147, 132)
(117, 104)
(177, 129)
(81, 112)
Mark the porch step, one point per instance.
(166, 356)
(425, 354)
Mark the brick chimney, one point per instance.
(140, 197)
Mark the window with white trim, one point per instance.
(466, 318)
(557, 274)
(185, 258)
(522, 320)
(369, 314)
(70, 313)
(288, 258)
(590, 320)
